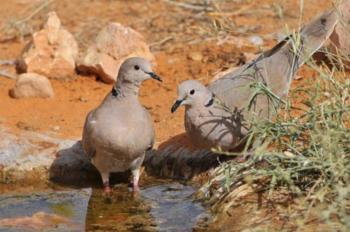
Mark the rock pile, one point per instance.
(50, 54)
(53, 53)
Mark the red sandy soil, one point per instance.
(64, 115)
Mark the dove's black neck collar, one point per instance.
(115, 92)
(210, 102)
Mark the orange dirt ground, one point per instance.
(174, 33)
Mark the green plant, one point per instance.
(309, 153)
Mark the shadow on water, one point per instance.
(72, 169)
(177, 158)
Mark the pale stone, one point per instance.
(32, 85)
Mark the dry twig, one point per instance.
(8, 62)
(161, 42)
(19, 24)
(8, 75)
(234, 13)
(189, 6)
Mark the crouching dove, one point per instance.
(120, 130)
(219, 115)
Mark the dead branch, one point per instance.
(8, 62)
(18, 23)
(8, 75)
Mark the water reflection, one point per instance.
(121, 212)
(173, 208)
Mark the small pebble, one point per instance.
(172, 61)
(256, 40)
(297, 77)
(196, 56)
(82, 99)
(289, 154)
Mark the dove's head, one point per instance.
(136, 70)
(191, 93)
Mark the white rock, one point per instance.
(256, 40)
(32, 85)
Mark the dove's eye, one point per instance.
(192, 92)
(136, 67)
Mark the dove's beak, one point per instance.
(176, 105)
(154, 76)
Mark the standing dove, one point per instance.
(119, 131)
(218, 115)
